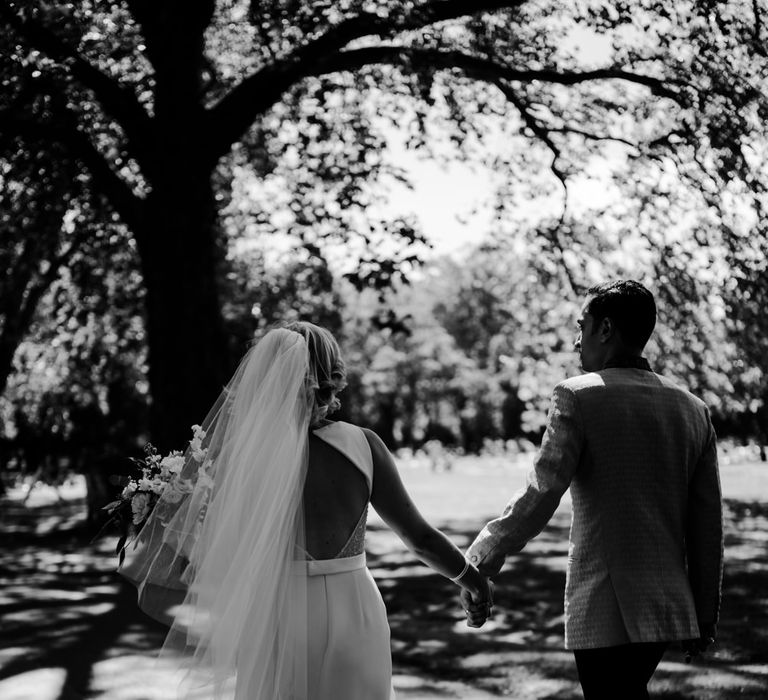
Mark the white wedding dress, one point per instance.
(225, 558)
(348, 634)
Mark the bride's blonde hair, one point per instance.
(327, 374)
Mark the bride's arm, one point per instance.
(394, 505)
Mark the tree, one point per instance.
(35, 244)
(510, 309)
(153, 99)
(77, 400)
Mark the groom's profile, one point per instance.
(639, 456)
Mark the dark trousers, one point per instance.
(620, 672)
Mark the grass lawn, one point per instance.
(70, 629)
(519, 654)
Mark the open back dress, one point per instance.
(349, 654)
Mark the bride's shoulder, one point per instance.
(375, 442)
(325, 423)
(339, 425)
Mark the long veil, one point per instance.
(215, 560)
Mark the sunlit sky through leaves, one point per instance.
(453, 201)
(454, 204)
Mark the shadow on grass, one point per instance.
(430, 638)
(61, 603)
(63, 607)
(520, 652)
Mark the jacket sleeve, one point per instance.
(704, 534)
(531, 508)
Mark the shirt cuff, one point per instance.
(483, 545)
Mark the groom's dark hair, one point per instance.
(629, 305)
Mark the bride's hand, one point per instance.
(477, 600)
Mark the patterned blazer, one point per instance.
(646, 549)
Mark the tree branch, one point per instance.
(119, 194)
(32, 292)
(24, 283)
(481, 68)
(253, 96)
(371, 24)
(173, 33)
(567, 129)
(757, 30)
(118, 101)
(540, 131)
(65, 132)
(235, 112)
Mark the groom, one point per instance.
(639, 455)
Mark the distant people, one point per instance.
(639, 455)
(261, 560)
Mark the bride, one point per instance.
(255, 555)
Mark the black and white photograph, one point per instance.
(383, 350)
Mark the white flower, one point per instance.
(129, 489)
(140, 507)
(172, 464)
(177, 488)
(158, 486)
(145, 484)
(196, 443)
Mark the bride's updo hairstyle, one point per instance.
(327, 374)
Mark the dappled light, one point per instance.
(71, 628)
(41, 684)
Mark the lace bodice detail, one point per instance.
(356, 543)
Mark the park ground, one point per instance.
(69, 629)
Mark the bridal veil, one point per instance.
(216, 559)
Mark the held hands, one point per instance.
(477, 589)
(477, 602)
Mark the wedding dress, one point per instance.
(222, 558)
(348, 633)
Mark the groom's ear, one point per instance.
(606, 330)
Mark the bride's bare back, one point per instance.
(337, 491)
(335, 496)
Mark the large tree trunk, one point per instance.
(187, 348)
(177, 237)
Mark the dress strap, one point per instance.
(351, 441)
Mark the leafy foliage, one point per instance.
(193, 128)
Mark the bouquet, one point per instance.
(155, 477)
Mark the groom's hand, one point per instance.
(478, 606)
(491, 565)
(695, 647)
